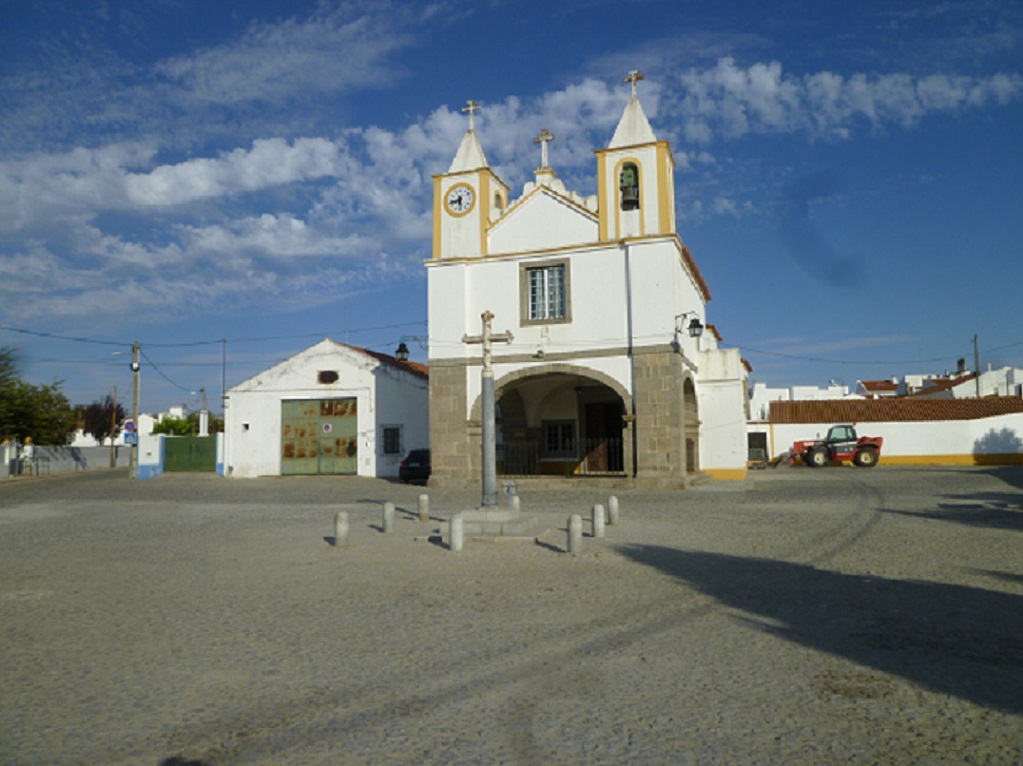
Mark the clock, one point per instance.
(460, 199)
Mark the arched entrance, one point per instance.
(691, 425)
(561, 420)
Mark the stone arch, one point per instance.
(690, 425)
(553, 368)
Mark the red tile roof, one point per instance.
(695, 271)
(417, 369)
(936, 386)
(892, 410)
(879, 385)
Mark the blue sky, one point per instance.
(184, 173)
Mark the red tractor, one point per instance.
(841, 443)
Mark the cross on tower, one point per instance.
(634, 77)
(544, 137)
(470, 107)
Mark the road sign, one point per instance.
(129, 426)
(131, 439)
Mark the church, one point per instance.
(603, 361)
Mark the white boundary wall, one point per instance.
(997, 440)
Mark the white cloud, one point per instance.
(270, 162)
(332, 51)
(733, 101)
(276, 236)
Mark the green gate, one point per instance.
(320, 436)
(190, 453)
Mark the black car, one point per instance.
(415, 466)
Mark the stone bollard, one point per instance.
(575, 534)
(612, 511)
(457, 532)
(388, 522)
(514, 503)
(341, 529)
(512, 491)
(424, 508)
(598, 520)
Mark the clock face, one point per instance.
(460, 199)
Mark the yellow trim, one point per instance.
(484, 212)
(726, 474)
(574, 249)
(1006, 458)
(602, 206)
(438, 210)
(664, 188)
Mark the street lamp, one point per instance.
(695, 326)
(402, 352)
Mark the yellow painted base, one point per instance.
(1008, 458)
(726, 474)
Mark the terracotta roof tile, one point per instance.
(933, 387)
(417, 369)
(879, 385)
(892, 410)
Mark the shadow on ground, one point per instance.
(958, 640)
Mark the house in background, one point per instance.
(331, 409)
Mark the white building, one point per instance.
(761, 396)
(331, 409)
(602, 376)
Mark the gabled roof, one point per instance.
(892, 410)
(879, 386)
(332, 346)
(565, 223)
(945, 384)
(415, 368)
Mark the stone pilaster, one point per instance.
(659, 424)
(450, 445)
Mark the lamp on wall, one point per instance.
(402, 352)
(695, 325)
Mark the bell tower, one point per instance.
(635, 178)
(466, 199)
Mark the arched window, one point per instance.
(628, 185)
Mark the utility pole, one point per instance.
(113, 430)
(489, 424)
(134, 454)
(976, 364)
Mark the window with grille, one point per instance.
(545, 293)
(559, 439)
(390, 439)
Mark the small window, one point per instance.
(545, 296)
(327, 376)
(390, 440)
(559, 439)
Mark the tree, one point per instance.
(102, 419)
(173, 427)
(215, 424)
(41, 413)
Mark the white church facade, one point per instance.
(604, 373)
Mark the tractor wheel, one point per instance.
(866, 458)
(817, 457)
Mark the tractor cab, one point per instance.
(841, 438)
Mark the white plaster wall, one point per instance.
(918, 439)
(720, 394)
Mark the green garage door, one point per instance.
(190, 453)
(319, 436)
